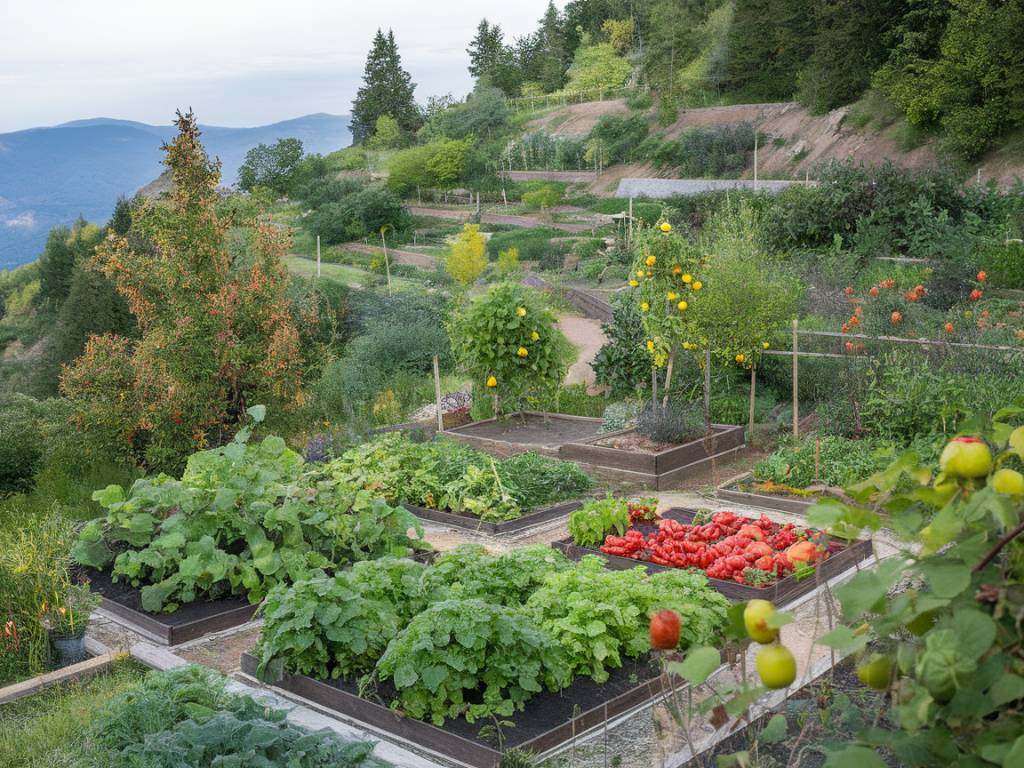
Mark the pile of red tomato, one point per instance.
(728, 547)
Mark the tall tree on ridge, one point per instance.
(387, 90)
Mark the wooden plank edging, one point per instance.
(80, 671)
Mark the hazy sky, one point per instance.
(236, 62)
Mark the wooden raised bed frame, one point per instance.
(470, 523)
(656, 470)
(218, 616)
(782, 592)
(450, 745)
(729, 491)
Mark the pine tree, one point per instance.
(553, 54)
(121, 219)
(387, 90)
(486, 49)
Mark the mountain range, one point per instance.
(50, 176)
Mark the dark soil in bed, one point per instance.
(125, 594)
(533, 429)
(543, 712)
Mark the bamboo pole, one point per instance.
(753, 389)
(707, 391)
(437, 394)
(796, 380)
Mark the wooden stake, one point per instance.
(753, 390)
(668, 378)
(755, 161)
(437, 394)
(387, 263)
(629, 237)
(654, 386)
(318, 255)
(796, 381)
(707, 390)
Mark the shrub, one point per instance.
(829, 460)
(545, 197)
(531, 244)
(718, 151)
(676, 422)
(508, 334)
(358, 215)
(622, 364)
(618, 137)
(466, 259)
(21, 450)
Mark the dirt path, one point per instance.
(586, 335)
(498, 218)
(398, 256)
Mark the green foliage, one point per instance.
(769, 42)
(599, 616)
(444, 474)
(272, 166)
(589, 524)
(508, 263)
(597, 67)
(437, 660)
(542, 151)
(185, 719)
(65, 248)
(467, 259)
(469, 572)
(387, 89)
(714, 152)
(530, 244)
(952, 636)
(241, 519)
(838, 462)
(546, 197)
(386, 134)
(618, 138)
(482, 114)
(21, 450)
(674, 423)
(358, 214)
(440, 164)
(491, 335)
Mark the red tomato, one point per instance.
(752, 532)
(764, 563)
(665, 630)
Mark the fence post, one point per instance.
(437, 394)
(796, 380)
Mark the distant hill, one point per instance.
(49, 176)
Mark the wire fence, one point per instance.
(562, 98)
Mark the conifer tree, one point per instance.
(387, 90)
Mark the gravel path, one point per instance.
(586, 335)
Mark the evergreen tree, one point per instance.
(552, 50)
(64, 248)
(121, 219)
(849, 45)
(486, 49)
(387, 90)
(673, 40)
(769, 43)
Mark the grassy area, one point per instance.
(342, 273)
(50, 729)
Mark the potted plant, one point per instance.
(66, 619)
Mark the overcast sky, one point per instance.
(236, 62)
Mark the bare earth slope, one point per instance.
(800, 140)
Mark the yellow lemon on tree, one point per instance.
(1016, 441)
(764, 345)
(650, 345)
(666, 227)
(687, 278)
(740, 358)
(671, 295)
(491, 381)
(521, 311)
(535, 336)
(681, 306)
(633, 283)
(697, 285)
(651, 261)
(644, 306)
(776, 666)
(523, 352)
(1008, 481)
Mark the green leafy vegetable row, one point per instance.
(186, 719)
(242, 518)
(447, 475)
(476, 635)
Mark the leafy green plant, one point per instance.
(241, 519)
(472, 659)
(599, 616)
(828, 460)
(470, 572)
(622, 364)
(589, 524)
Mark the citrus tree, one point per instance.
(508, 342)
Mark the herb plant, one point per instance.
(589, 524)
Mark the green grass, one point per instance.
(341, 273)
(50, 729)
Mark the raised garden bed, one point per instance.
(544, 433)
(549, 720)
(841, 557)
(188, 622)
(741, 491)
(471, 523)
(624, 455)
